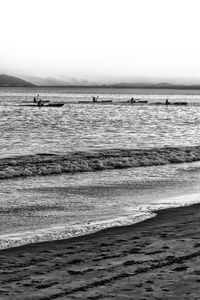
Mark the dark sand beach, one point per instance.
(155, 259)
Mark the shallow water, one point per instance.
(62, 206)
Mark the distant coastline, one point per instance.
(11, 81)
(113, 86)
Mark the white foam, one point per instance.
(134, 215)
(64, 232)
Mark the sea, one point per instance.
(83, 167)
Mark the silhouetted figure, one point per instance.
(34, 100)
(94, 99)
(132, 100)
(167, 102)
(40, 103)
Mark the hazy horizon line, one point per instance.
(72, 81)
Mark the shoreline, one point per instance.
(117, 86)
(156, 214)
(145, 216)
(115, 224)
(87, 236)
(157, 258)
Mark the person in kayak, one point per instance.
(167, 102)
(40, 103)
(36, 99)
(94, 99)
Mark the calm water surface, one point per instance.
(28, 130)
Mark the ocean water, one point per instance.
(82, 167)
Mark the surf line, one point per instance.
(47, 164)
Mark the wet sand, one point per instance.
(156, 259)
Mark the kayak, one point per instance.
(169, 104)
(53, 105)
(96, 102)
(179, 103)
(137, 102)
(44, 105)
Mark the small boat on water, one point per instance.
(53, 105)
(170, 104)
(179, 103)
(137, 101)
(44, 105)
(38, 102)
(95, 102)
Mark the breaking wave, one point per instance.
(47, 164)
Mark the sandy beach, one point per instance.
(155, 259)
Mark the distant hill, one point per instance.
(62, 82)
(12, 81)
(31, 81)
(75, 83)
(142, 85)
(162, 85)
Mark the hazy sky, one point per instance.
(101, 40)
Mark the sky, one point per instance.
(101, 40)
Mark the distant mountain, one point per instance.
(50, 81)
(47, 81)
(73, 82)
(143, 85)
(11, 81)
(162, 85)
